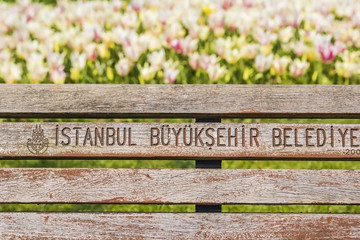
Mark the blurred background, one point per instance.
(180, 42)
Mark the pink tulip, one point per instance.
(170, 71)
(90, 50)
(175, 44)
(132, 53)
(137, 4)
(298, 67)
(207, 61)
(264, 37)
(78, 60)
(263, 63)
(329, 51)
(58, 75)
(226, 4)
(222, 45)
(156, 59)
(184, 46)
(5, 55)
(249, 50)
(10, 72)
(280, 64)
(171, 74)
(36, 68)
(194, 61)
(147, 72)
(216, 23)
(215, 72)
(164, 16)
(55, 60)
(356, 19)
(123, 66)
(56, 67)
(299, 48)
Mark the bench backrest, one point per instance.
(208, 141)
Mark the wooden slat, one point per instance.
(175, 101)
(208, 141)
(184, 186)
(178, 226)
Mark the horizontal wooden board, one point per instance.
(179, 141)
(178, 226)
(179, 101)
(180, 186)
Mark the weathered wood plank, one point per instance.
(179, 141)
(178, 226)
(178, 101)
(180, 186)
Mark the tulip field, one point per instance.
(189, 41)
(180, 42)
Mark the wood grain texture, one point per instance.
(178, 141)
(178, 226)
(180, 186)
(179, 101)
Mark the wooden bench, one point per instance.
(208, 141)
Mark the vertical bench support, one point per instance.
(208, 164)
